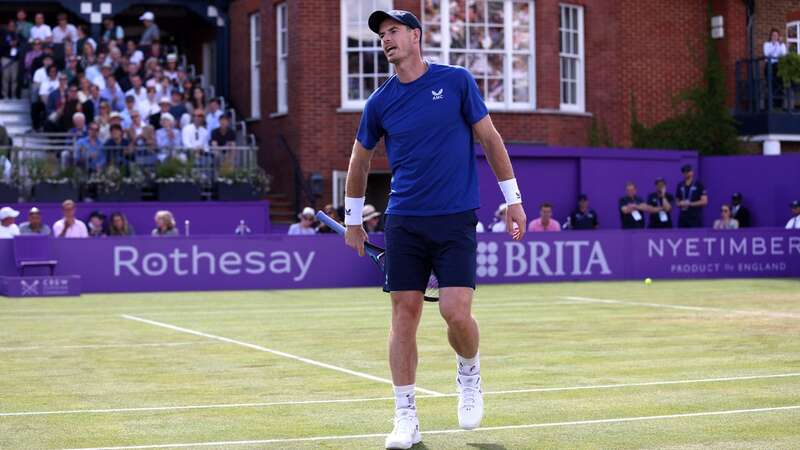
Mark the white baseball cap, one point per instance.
(147, 16)
(7, 211)
(307, 211)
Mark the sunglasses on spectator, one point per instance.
(725, 210)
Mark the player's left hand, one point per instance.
(516, 221)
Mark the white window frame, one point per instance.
(347, 103)
(255, 65)
(508, 52)
(795, 40)
(338, 179)
(579, 104)
(282, 51)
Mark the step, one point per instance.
(17, 129)
(15, 106)
(15, 119)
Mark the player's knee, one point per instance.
(457, 317)
(406, 312)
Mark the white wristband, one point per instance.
(352, 210)
(511, 191)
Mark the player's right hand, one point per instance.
(355, 236)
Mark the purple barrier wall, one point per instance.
(557, 175)
(279, 262)
(204, 217)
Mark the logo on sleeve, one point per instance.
(347, 212)
(438, 95)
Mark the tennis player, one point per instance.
(427, 114)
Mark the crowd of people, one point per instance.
(70, 226)
(121, 99)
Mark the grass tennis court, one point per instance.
(570, 365)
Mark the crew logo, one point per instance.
(487, 259)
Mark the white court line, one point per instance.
(373, 399)
(274, 352)
(99, 346)
(457, 430)
(688, 308)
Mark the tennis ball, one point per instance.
(648, 281)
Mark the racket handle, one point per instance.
(332, 224)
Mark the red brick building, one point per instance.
(301, 69)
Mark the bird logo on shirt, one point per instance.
(438, 95)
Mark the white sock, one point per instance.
(469, 366)
(405, 397)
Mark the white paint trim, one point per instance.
(97, 346)
(375, 399)
(688, 308)
(459, 430)
(269, 350)
(771, 137)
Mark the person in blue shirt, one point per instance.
(426, 115)
(89, 150)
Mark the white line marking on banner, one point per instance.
(458, 430)
(274, 352)
(687, 308)
(99, 346)
(375, 399)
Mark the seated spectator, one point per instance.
(8, 229)
(545, 220)
(96, 225)
(64, 30)
(156, 52)
(34, 225)
(119, 225)
(306, 224)
(198, 100)
(69, 226)
(83, 40)
(41, 30)
(330, 211)
(165, 225)
(79, 129)
(659, 205)
(133, 53)
(171, 71)
(32, 55)
(150, 106)
(195, 135)
(146, 147)
(223, 136)
(163, 108)
(117, 146)
(178, 109)
(582, 218)
(138, 91)
(371, 219)
(130, 106)
(213, 114)
(168, 139)
(499, 225)
(794, 222)
(89, 151)
(631, 207)
(151, 32)
(136, 125)
(113, 94)
(738, 211)
(726, 221)
(479, 228)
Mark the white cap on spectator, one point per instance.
(167, 116)
(369, 213)
(172, 57)
(501, 210)
(163, 100)
(8, 211)
(147, 16)
(151, 83)
(307, 212)
(115, 115)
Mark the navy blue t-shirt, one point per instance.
(427, 128)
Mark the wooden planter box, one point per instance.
(236, 192)
(54, 192)
(179, 192)
(8, 194)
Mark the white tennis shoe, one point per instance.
(406, 430)
(470, 401)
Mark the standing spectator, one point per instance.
(49, 84)
(306, 224)
(499, 224)
(631, 207)
(692, 197)
(774, 50)
(10, 55)
(96, 224)
(89, 151)
(119, 226)
(195, 135)
(112, 32)
(31, 56)
(582, 218)
(8, 229)
(371, 219)
(223, 136)
(83, 40)
(24, 27)
(329, 211)
(151, 32)
(69, 226)
(165, 224)
(545, 220)
(41, 30)
(726, 221)
(739, 212)
(34, 225)
(213, 114)
(64, 30)
(660, 205)
(794, 222)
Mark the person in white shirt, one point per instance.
(64, 30)
(8, 229)
(213, 113)
(499, 226)
(41, 30)
(41, 73)
(306, 224)
(135, 55)
(195, 134)
(49, 84)
(774, 50)
(138, 91)
(794, 222)
(69, 226)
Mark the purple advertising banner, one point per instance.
(47, 286)
(280, 262)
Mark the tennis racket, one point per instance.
(378, 256)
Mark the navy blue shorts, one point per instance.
(415, 245)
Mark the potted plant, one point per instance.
(8, 191)
(234, 184)
(51, 185)
(789, 73)
(175, 183)
(118, 184)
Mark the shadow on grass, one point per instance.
(487, 446)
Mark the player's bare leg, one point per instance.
(406, 313)
(455, 306)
